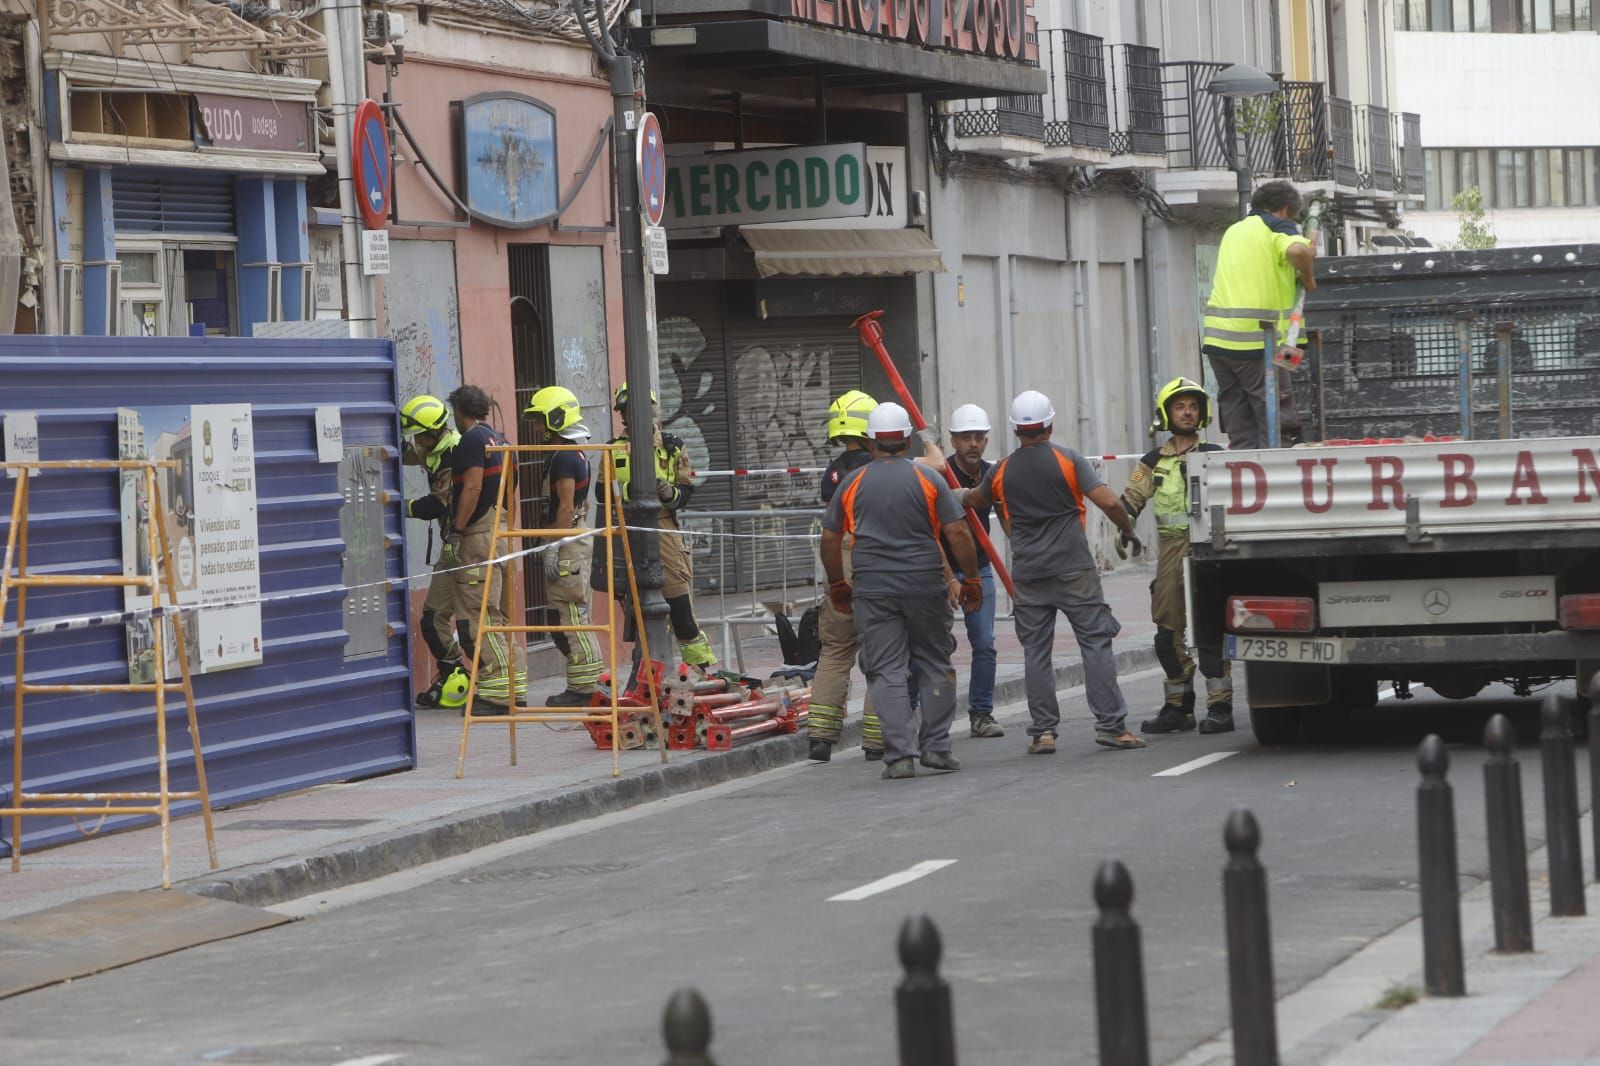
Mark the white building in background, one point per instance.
(1509, 91)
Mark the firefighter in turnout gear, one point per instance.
(674, 486)
(830, 689)
(1161, 481)
(430, 442)
(557, 419)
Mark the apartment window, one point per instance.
(1513, 177)
(1497, 16)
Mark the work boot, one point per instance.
(1218, 719)
(906, 767)
(1172, 718)
(1123, 741)
(569, 698)
(486, 708)
(873, 754)
(940, 760)
(821, 750)
(984, 725)
(1043, 744)
(428, 698)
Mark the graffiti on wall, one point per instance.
(578, 325)
(782, 392)
(689, 393)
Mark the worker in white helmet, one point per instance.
(1039, 490)
(969, 437)
(896, 511)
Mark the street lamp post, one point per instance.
(643, 510)
(1239, 81)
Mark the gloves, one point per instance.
(1125, 541)
(552, 565)
(971, 594)
(840, 595)
(447, 553)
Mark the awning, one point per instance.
(839, 253)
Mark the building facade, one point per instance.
(1493, 78)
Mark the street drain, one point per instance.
(541, 873)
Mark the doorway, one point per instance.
(534, 368)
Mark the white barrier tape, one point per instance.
(795, 470)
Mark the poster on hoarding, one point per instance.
(208, 510)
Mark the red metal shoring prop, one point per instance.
(872, 336)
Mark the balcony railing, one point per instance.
(1075, 111)
(1284, 134)
(1378, 126)
(1342, 124)
(1408, 154)
(1305, 130)
(1138, 119)
(998, 116)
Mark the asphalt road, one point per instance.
(565, 951)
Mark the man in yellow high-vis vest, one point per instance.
(1260, 258)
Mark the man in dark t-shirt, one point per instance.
(557, 419)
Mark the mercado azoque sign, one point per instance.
(807, 182)
(1000, 28)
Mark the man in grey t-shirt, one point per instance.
(895, 510)
(1039, 491)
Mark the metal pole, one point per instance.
(1508, 847)
(1502, 337)
(686, 1025)
(922, 1002)
(1464, 373)
(643, 509)
(1269, 337)
(1241, 171)
(1442, 963)
(1119, 972)
(1594, 763)
(1244, 899)
(1561, 809)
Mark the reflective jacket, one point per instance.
(1254, 283)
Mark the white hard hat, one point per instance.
(1032, 409)
(888, 421)
(969, 418)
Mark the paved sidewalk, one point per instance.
(320, 838)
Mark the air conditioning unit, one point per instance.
(383, 28)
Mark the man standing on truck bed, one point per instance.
(1162, 480)
(1039, 491)
(1260, 258)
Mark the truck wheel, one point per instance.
(1327, 724)
(1276, 725)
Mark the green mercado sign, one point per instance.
(766, 185)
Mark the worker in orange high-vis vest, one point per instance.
(1039, 492)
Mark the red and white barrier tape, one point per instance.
(780, 470)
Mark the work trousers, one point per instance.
(980, 638)
(1242, 399)
(830, 687)
(439, 618)
(497, 675)
(1170, 614)
(1077, 595)
(569, 598)
(902, 633)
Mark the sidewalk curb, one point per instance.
(355, 861)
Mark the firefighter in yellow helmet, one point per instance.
(424, 424)
(674, 486)
(1161, 480)
(830, 689)
(558, 419)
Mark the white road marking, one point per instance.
(884, 884)
(1195, 764)
(1385, 694)
(370, 1060)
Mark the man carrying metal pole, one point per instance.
(1258, 262)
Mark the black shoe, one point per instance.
(1170, 719)
(821, 750)
(1218, 719)
(429, 697)
(569, 698)
(873, 754)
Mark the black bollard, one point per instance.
(1561, 809)
(1119, 972)
(686, 1023)
(1508, 846)
(1594, 767)
(922, 1002)
(1244, 899)
(1442, 964)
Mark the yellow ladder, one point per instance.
(613, 530)
(104, 804)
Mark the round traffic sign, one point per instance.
(651, 150)
(369, 153)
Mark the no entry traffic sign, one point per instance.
(369, 152)
(651, 149)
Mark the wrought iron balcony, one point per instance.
(1304, 116)
(1000, 126)
(1284, 134)
(1138, 119)
(1376, 125)
(1342, 123)
(1076, 115)
(1408, 155)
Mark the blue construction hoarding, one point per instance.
(330, 698)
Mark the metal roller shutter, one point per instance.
(149, 200)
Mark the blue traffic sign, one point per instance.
(651, 149)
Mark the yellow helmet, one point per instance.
(619, 399)
(423, 414)
(557, 406)
(847, 415)
(1181, 387)
(454, 692)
